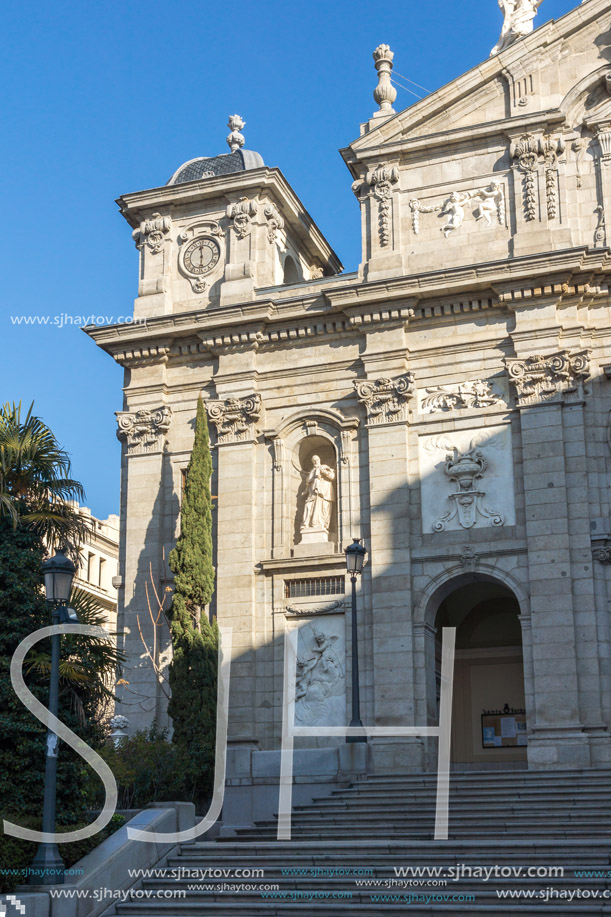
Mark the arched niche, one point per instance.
(316, 491)
(291, 274)
(292, 443)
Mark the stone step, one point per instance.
(524, 774)
(570, 816)
(270, 908)
(570, 786)
(456, 833)
(348, 883)
(510, 818)
(547, 791)
(536, 804)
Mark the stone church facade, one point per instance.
(448, 403)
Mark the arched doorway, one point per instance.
(488, 714)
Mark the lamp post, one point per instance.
(355, 558)
(47, 865)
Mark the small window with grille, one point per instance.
(321, 585)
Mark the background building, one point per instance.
(98, 569)
(448, 402)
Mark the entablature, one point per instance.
(574, 275)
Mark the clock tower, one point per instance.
(221, 228)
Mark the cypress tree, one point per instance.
(193, 671)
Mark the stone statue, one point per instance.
(489, 201)
(454, 209)
(319, 687)
(319, 500)
(519, 16)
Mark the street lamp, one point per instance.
(355, 558)
(47, 866)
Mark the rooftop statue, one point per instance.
(519, 16)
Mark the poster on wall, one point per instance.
(504, 728)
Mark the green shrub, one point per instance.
(148, 768)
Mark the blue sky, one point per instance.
(100, 99)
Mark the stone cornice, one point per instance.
(578, 275)
(474, 135)
(138, 206)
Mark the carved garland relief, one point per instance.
(528, 152)
(378, 184)
(488, 202)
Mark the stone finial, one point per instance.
(235, 139)
(384, 93)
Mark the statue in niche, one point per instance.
(319, 686)
(519, 16)
(319, 499)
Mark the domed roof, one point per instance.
(212, 166)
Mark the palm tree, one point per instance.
(36, 489)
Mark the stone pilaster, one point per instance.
(378, 195)
(603, 164)
(567, 728)
(385, 401)
(235, 418)
(143, 434)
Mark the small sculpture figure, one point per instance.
(454, 208)
(519, 16)
(489, 201)
(319, 499)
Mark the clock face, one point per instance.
(201, 256)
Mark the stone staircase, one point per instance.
(508, 819)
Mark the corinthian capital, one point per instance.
(548, 378)
(143, 431)
(386, 399)
(235, 418)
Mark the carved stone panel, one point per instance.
(143, 431)
(461, 396)
(486, 203)
(320, 696)
(467, 479)
(235, 418)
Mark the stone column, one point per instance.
(143, 433)
(386, 400)
(566, 683)
(235, 417)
